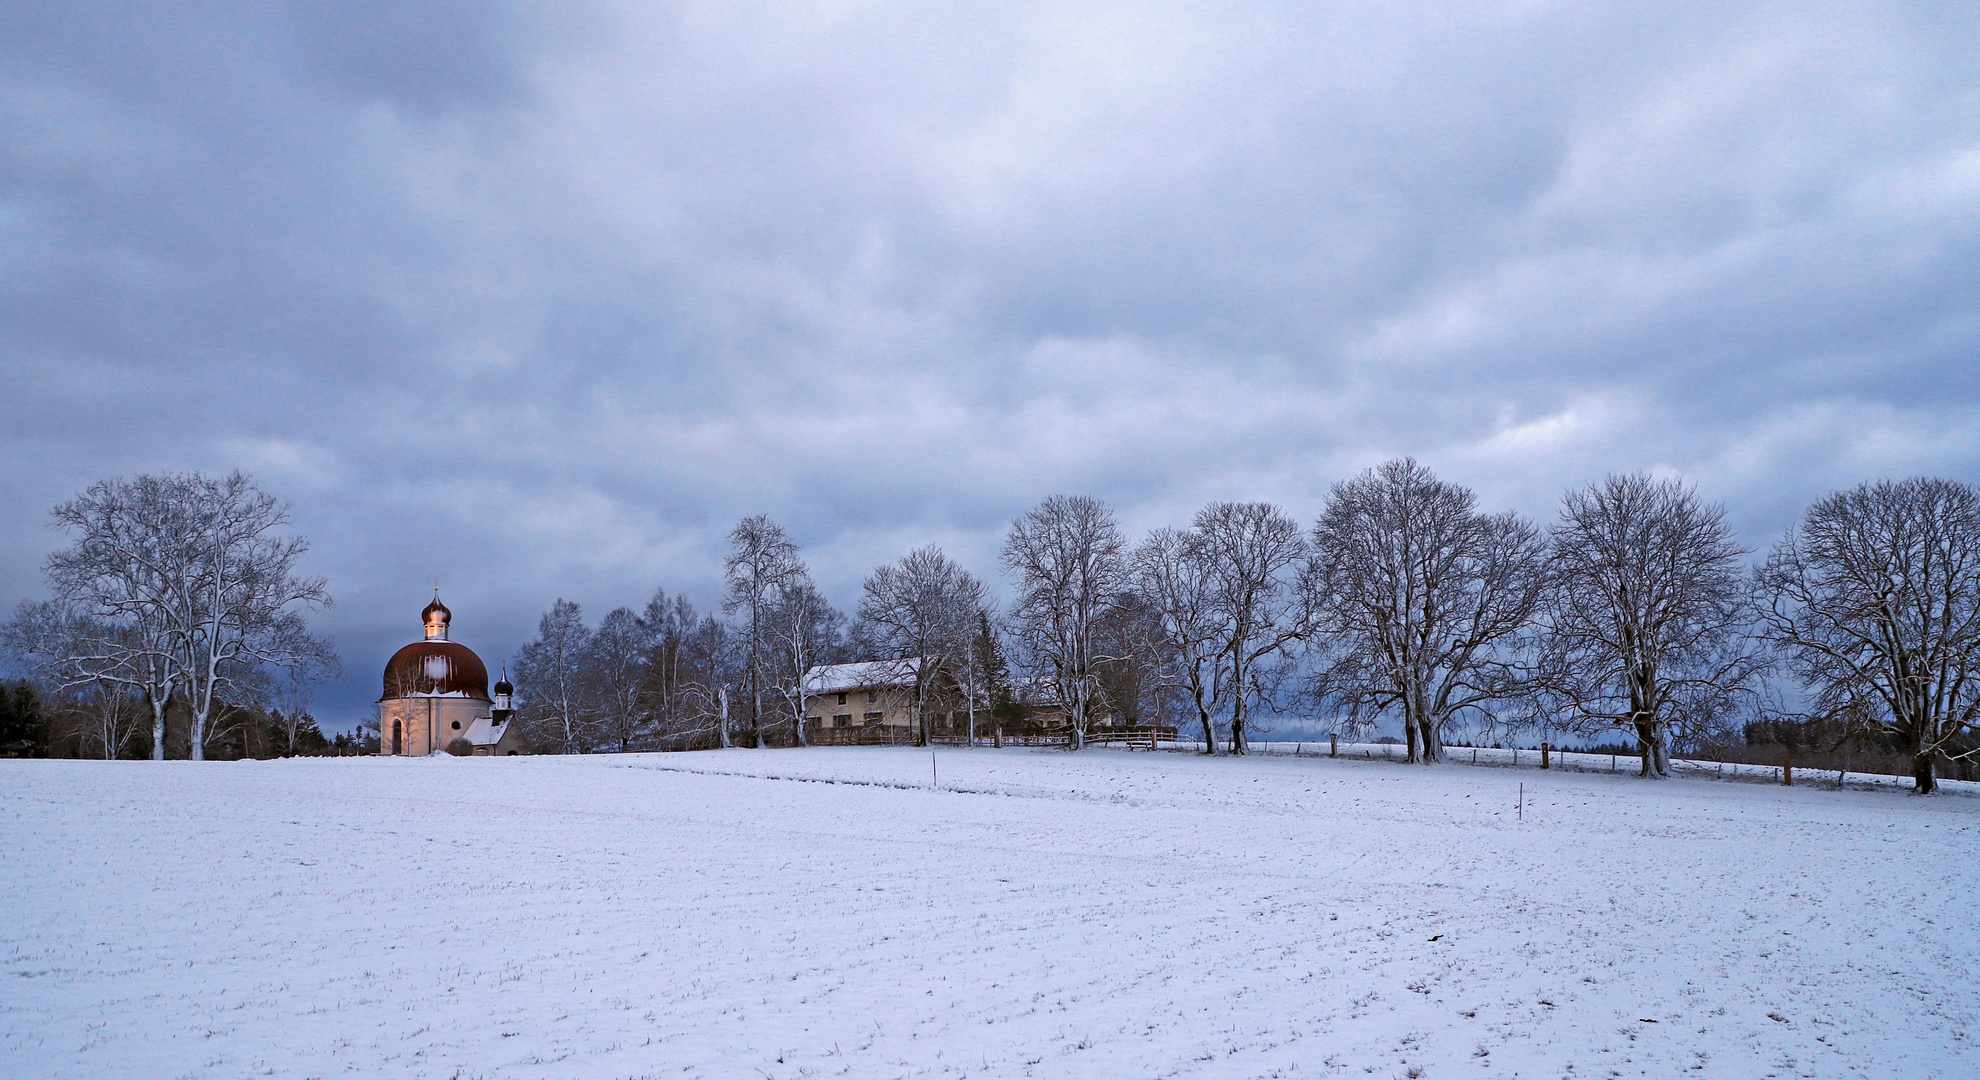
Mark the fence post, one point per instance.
(1333, 746)
(1000, 736)
(1544, 751)
(1787, 772)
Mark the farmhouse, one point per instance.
(876, 693)
(874, 702)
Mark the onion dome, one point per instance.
(436, 617)
(503, 687)
(436, 669)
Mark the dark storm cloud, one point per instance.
(539, 305)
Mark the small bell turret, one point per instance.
(504, 697)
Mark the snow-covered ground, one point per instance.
(1103, 914)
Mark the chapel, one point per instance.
(436, 698)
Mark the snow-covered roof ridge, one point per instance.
(838, 678)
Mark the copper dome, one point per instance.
(436, 668)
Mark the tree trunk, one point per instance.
(1650, 747)
(1433, 742)
(1923, 781)
(1237, 735)
(1409, 735)
(158, 729)
(1209, 732)
(723, 697)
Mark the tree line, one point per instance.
(177, 618)
(1634, 612)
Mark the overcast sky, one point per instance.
(538, 305)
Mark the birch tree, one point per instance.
(1070, 561)
(670, 625)
(688, 670)
(615, 670)
(1645, 616)
(1875, 600)
(805, 631)
(922, 610)
(1420, 598)
(761, 560)
(550, 678)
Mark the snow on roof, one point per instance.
(484, 731)
(839, 678)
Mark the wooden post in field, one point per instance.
(1333, 746)
(1787, 772)
(1545, 749)
(1000, 736)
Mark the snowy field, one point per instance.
(1105, 914)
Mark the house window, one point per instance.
(872, 696)
(844, 719)
(842, 699)
(812, 720)
(873, 717)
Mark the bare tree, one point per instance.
(44, 641)
(550, 678)
(688, 669)
(1250, 554)
(1171, 575)
(189, 570)
(108, 715)
(71, 661)
(615, 671)
(1875, 600)
(1645, 617)
(115, 589)
(1231, 603)
(1069, 557)
(670, 625)
(805, 632)
(1133, 651)
(922, 609)
(291, 692)
(761, 560)
(1420, 598)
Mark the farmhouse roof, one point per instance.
(839, 678)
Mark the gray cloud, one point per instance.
(540, 306)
